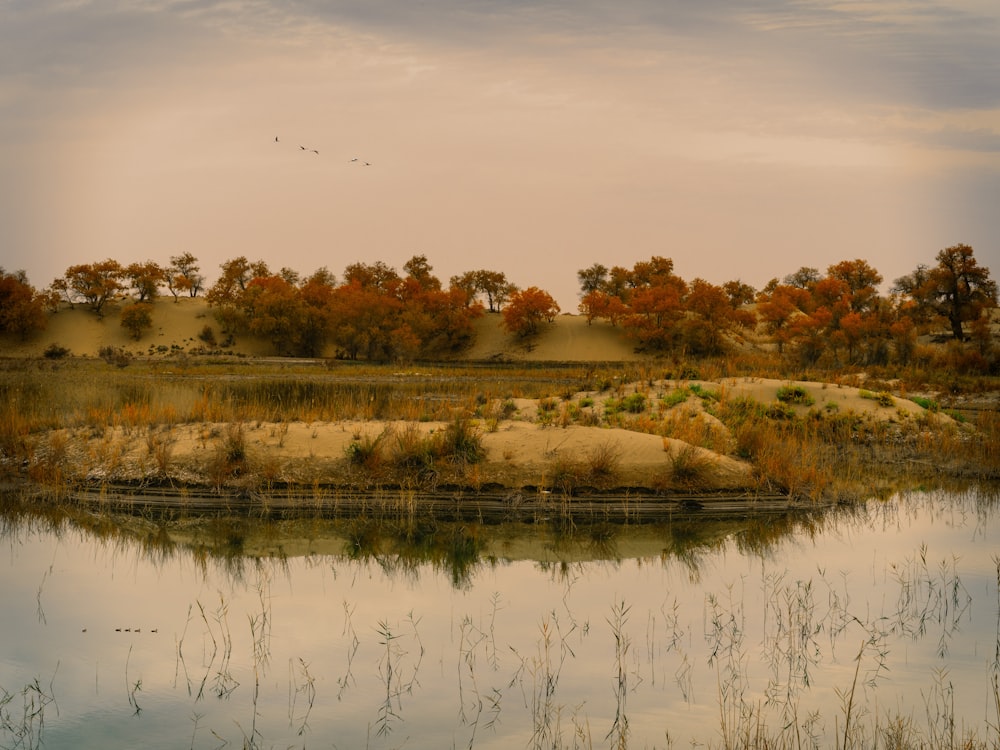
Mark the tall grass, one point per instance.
(820, 455)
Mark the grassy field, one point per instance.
(81, 422)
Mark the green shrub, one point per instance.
(927, 403)
(882, 398)
(703, 393)
(634, 403)
(795, 394)
(672, 399)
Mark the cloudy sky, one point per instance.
(535, 137)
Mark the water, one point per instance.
(504, 637)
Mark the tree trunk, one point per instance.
(956, 327)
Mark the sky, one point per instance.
(744, 140)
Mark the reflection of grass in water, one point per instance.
(23, 726)
(404, 547)
(618, 734)
(800, 614)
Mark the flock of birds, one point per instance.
(316, 151)
(128, 630)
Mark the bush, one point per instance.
(366, 451)
(795, 394)
(780, 411)
(672, 399)
(137, 318)
(882, 398)
(703, 393)
(114, 355)
(689, 468)
(604, 460)
(461, 442)
(207, 335)
(634, 403)
(927, 403)
(54, 351)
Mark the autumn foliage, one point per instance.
(835, 318)
(375, 314)
(811, 318)
(527, 310)
(22, 310)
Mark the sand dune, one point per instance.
(177, 325)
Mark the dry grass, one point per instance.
(821, 454)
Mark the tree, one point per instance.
(916, 294)
(710, 315)
(657, 271)
(653, 314)
(598, 304)
(227, 293)
(418, 269)
(94, 283)
(777, 311)
(467, 284)
(862, 281)
(593, 279)
(527, 310)
(959, 288)
(377, 275)
(363, 322)
(739, 293)
(495, 286)
(440, 320)
(145, 279)
(137, 318)
(183, 275)
(22, 311)
(317, 296)
(275, 310)
(804, 278)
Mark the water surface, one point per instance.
(313, 635)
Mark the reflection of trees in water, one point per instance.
(805, 616)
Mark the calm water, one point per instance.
(513, 638)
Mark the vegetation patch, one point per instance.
(795, 394)
(882, 398)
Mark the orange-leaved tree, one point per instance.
(527, 310)
(93, 283)
(710, 316)
(22, 310)
(145, 279)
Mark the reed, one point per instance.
(828, 453)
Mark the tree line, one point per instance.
(377, 313)
(373, 312)
(838, 316)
